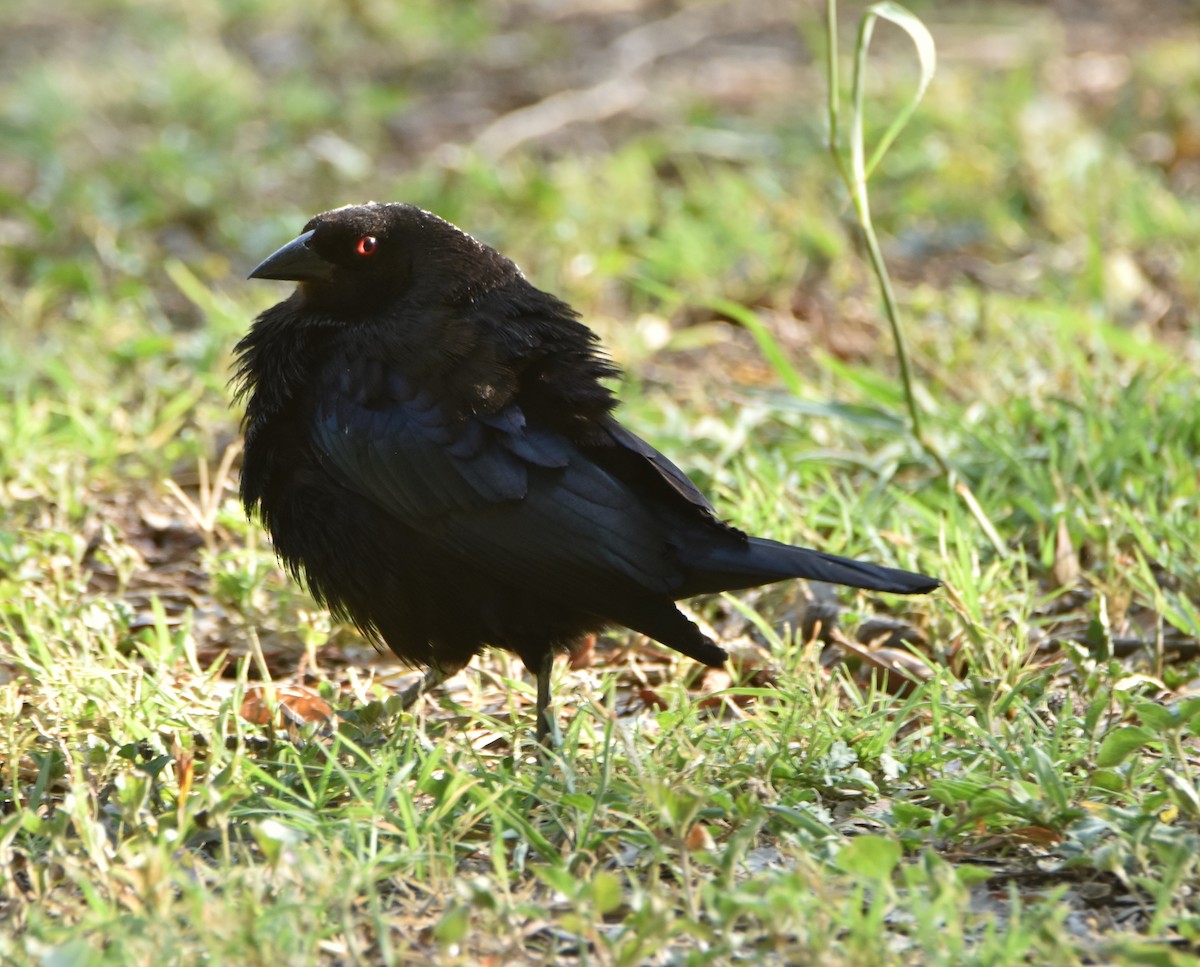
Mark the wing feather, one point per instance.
(526, 503)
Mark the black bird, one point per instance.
(430, 443)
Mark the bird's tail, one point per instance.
(756, 560)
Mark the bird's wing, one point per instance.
(523, 502)
(403, 450)
(643, 462)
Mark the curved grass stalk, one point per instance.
(860, 169)
(856, 177)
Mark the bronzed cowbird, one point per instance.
(431, 445)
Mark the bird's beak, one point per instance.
(295, 262)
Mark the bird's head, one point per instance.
(363, 256)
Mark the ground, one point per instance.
(199, 765)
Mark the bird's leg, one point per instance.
(543, 697)
(433, 677)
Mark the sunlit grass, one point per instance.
(1038, 766)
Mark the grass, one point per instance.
(1016, 784)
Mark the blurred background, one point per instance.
(602, 144)
(1041, 216)
(599, 143)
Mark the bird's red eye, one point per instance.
(367, 245)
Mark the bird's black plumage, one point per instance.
(431, 445)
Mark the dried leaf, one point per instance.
(1066, 568)
(896, 671)
(583, 654)
(881, 632)
(1037, 834)
(699, 838)
(289, 705)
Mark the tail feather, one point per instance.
(663, 622)
(746, 564)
